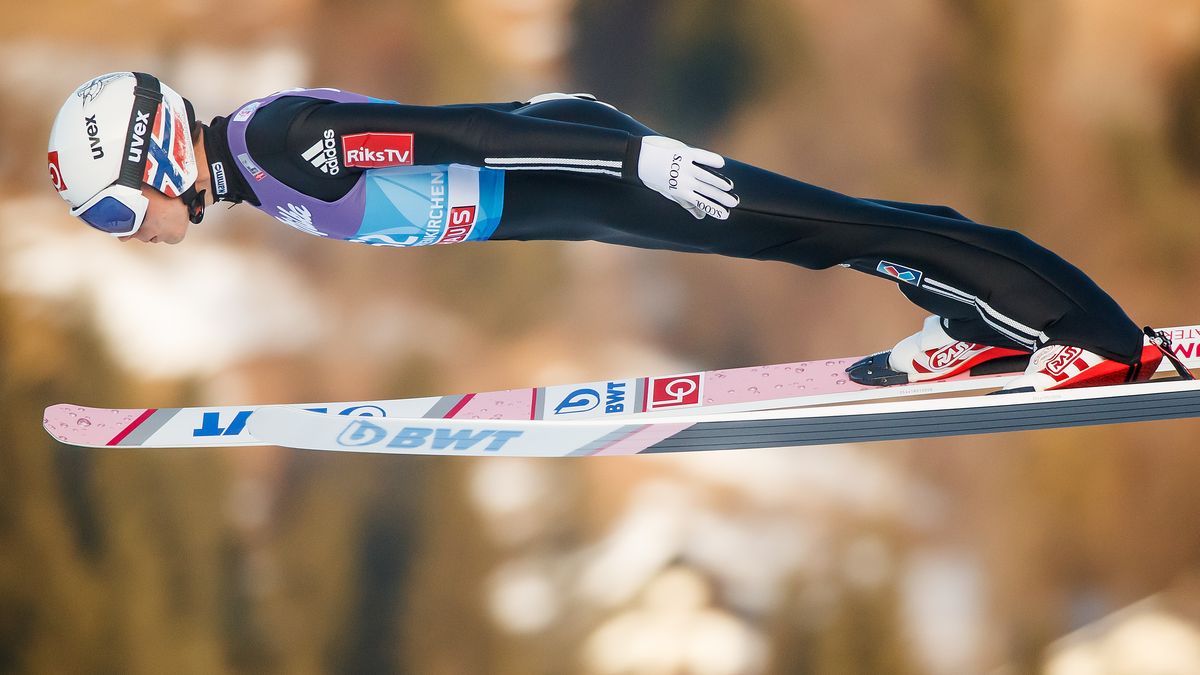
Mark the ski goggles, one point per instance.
(117, 210)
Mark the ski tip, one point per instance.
(87, 427)
(64, 420)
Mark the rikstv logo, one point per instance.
(377, 150)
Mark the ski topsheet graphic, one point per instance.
(298, 428)
(789, 385)
(756, 388)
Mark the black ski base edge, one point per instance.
(860, 428)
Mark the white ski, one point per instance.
(298, 428)
(788, 385)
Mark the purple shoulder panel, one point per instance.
(340, 219)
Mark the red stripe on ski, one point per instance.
(533, 405)
(132, 425)
(459, 406)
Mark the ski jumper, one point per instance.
(351, 167)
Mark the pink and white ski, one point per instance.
(788, 385)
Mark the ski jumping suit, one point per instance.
(352, 167)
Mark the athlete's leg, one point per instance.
(961, 321)
(928, 209)
(583, 111)
(979, 273)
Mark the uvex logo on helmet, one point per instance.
(137, 136)
(92, 127)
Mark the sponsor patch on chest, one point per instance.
(376, 150)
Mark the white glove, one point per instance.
(680, 173)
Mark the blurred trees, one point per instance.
(1184, 129)
(685, 65)
(111, 561)
(261, 561)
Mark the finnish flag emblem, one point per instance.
(899, 272)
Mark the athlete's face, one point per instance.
(166, 219)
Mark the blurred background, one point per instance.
(1072, 552)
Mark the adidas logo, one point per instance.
(323, 154)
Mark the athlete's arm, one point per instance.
(361, 136)
(478, 136)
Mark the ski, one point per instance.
(787, 385)
(1147, 401)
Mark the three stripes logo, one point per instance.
(899, 272)
(323, 154)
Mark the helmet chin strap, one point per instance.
(193, 200)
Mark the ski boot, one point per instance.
(1065, 367)
(928, 355)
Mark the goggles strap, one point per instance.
(147, 96)
(193, 200)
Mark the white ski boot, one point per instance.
(928, 355)
(1065, 367)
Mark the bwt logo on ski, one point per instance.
(378, 150)
(614, 400)
(323, 154)
(906, 274)
(361, 433)
(586, 399)
(674, 392)
(580, 400)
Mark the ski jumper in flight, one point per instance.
(129, 157)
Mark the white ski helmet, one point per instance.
(114, 135)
